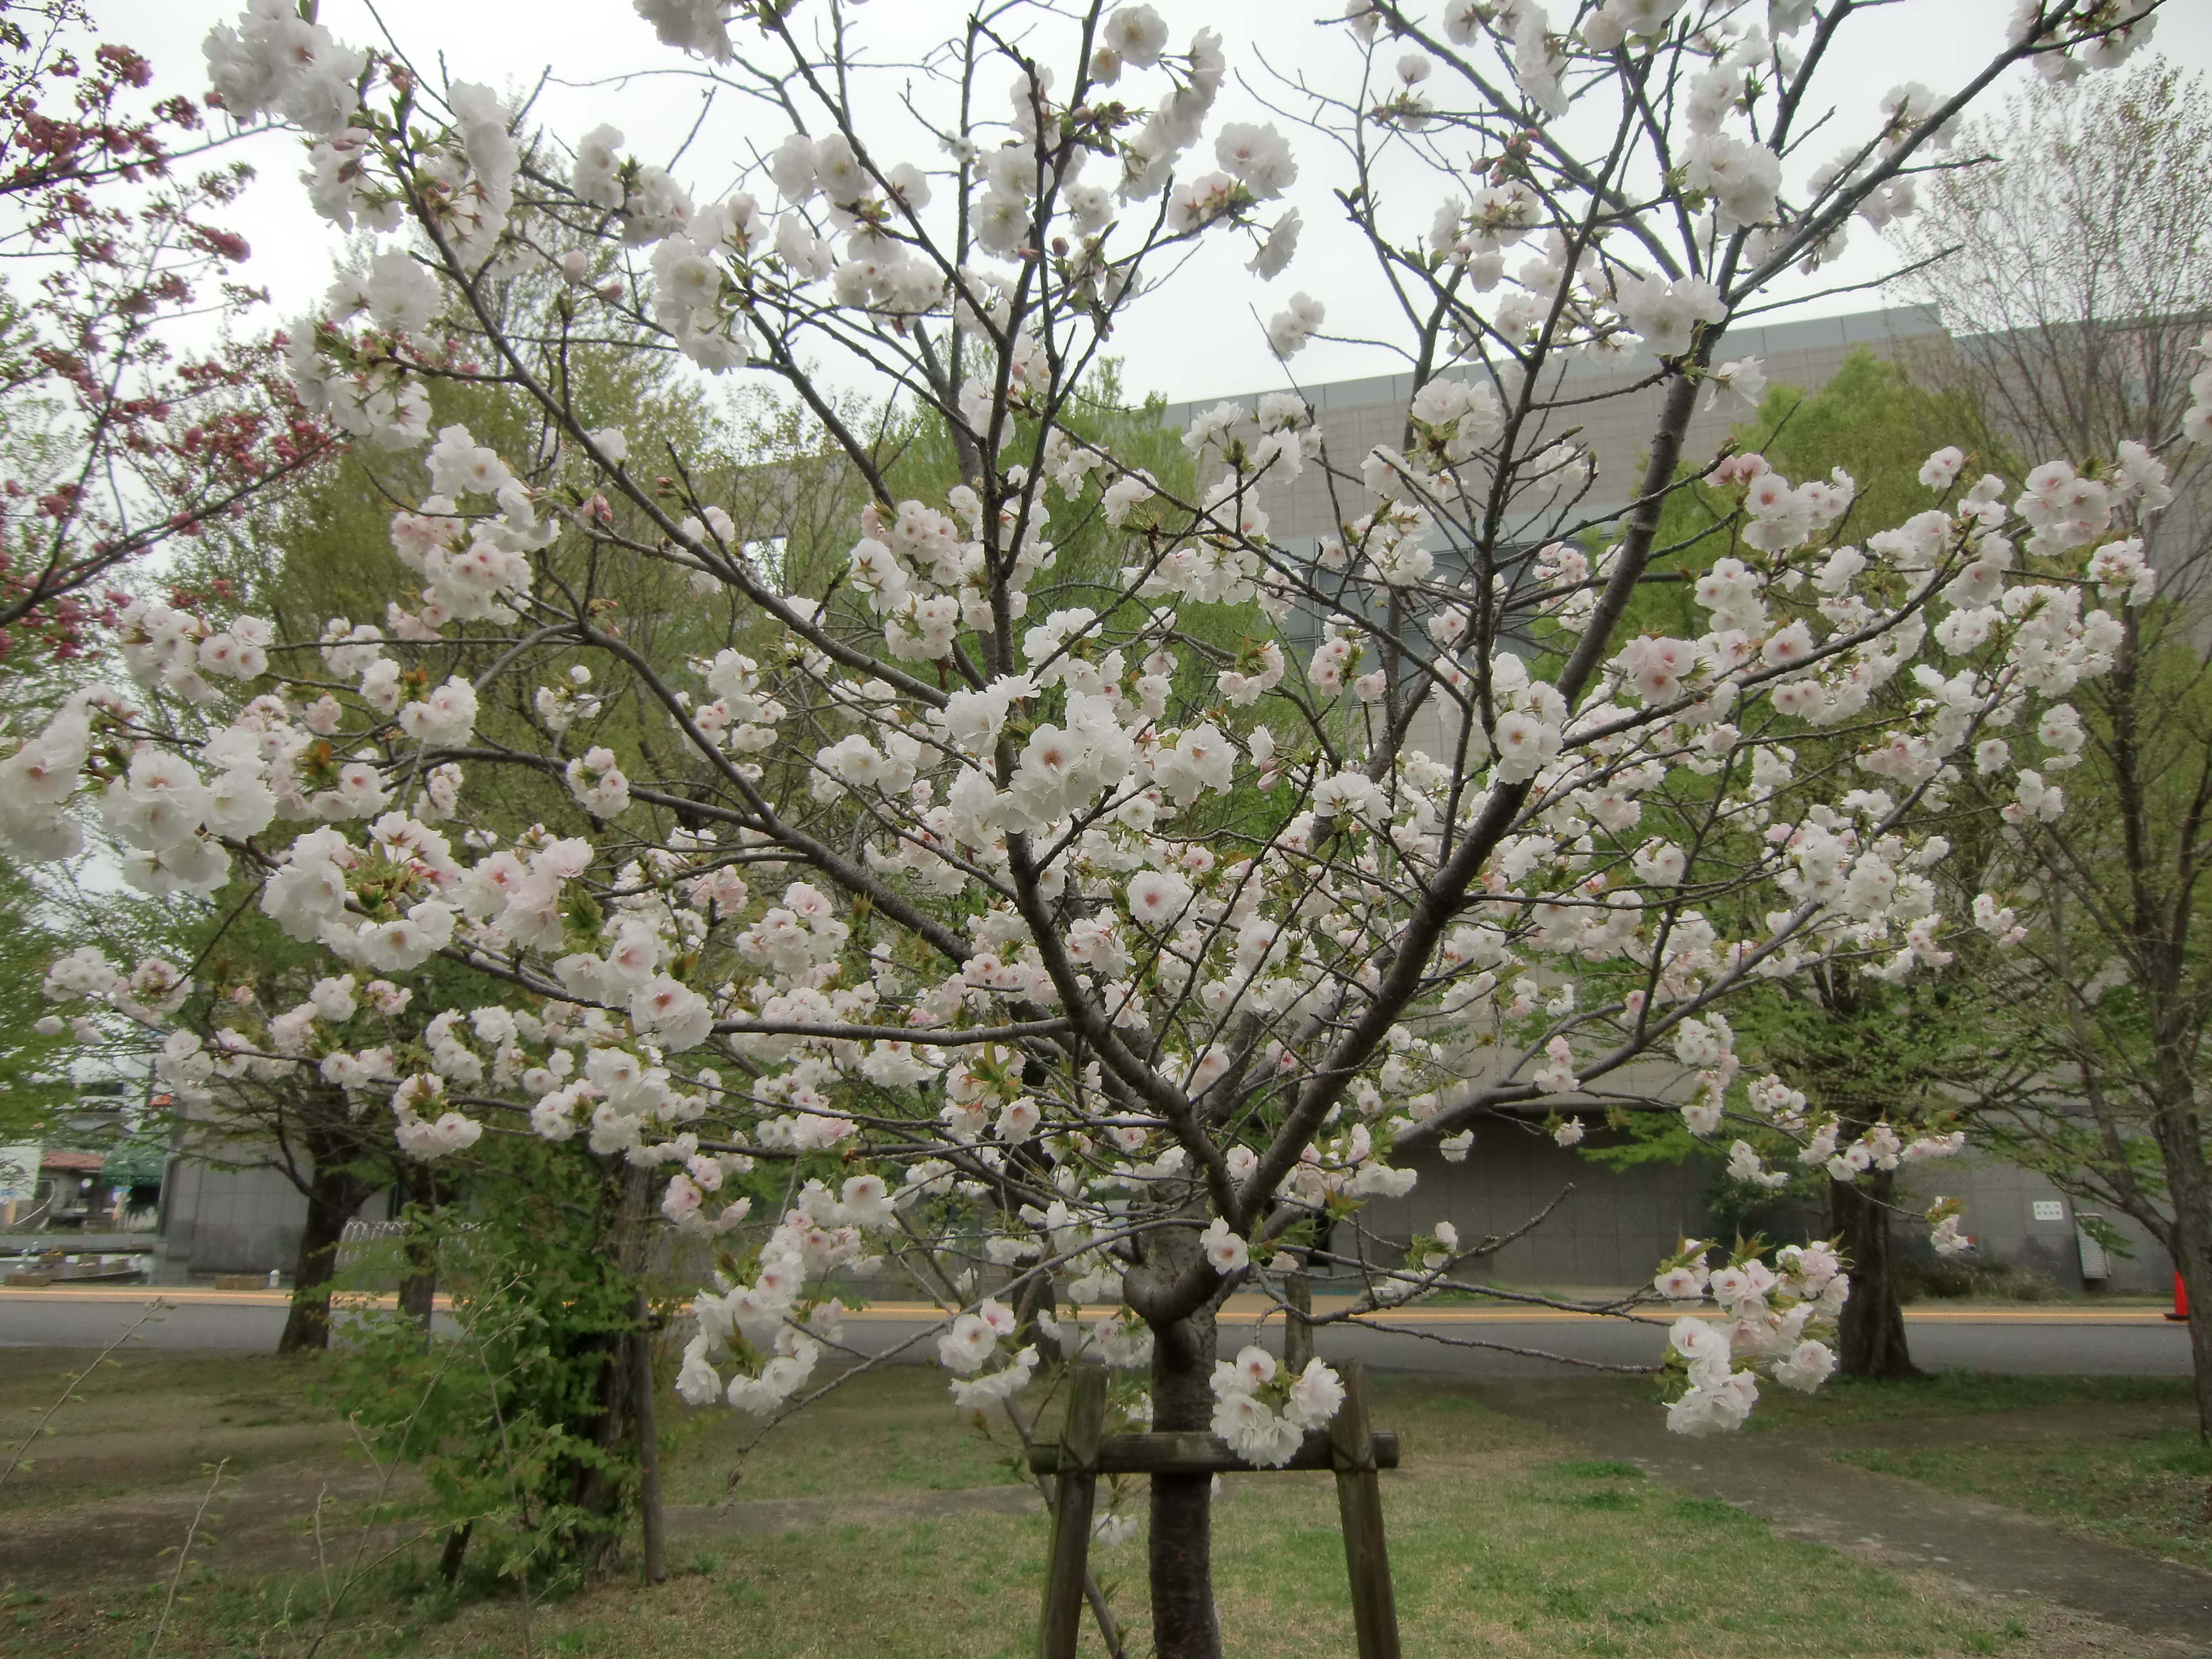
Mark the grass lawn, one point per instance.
(881, 1430)
(1501, 1543)
(1843, 1404)
(2147, 1487)
(2151, 1490)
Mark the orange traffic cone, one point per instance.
(2181, 1299)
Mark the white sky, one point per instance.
(1169, 344)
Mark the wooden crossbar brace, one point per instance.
(1203, 1454)
(1085, 1451)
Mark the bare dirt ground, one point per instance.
(132, 1460)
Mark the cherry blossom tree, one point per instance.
(133, 413)
(994, 915)
(2108, 994)
(2107, 998)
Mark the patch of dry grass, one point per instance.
(148, 1419)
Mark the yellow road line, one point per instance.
(186, 1295)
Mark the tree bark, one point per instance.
(598, 1493)
(1039, 1295)
(1184, 1625)
(649, 1448)
(333, 1194)
(1870, 1333)
(2194, 1266)
(457, 1546)
(601, 1494)
(418, 1281)
(2189, 1181)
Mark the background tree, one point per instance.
(116, 436)
(2077, 287)
(34, 1064)
(2069, 255)
(123, 431)
(2112, 989)
(1865, 1068)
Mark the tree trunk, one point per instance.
(1870, 1334)
(418, 1282)
(2194, 1266)
(457, 1546)
(648, 1449)
(1038, 1297)
(418, 1285)
(597, 1492)
(1297, 1334)
(601, 1493)
(333, 1194)
(1181, 1564)
(2189, 1181)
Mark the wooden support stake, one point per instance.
(1077, 1492)
(1360, 1506)
(1297, 1316)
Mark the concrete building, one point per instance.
(1356, 416)
(1610, 1228)
(219, 1220)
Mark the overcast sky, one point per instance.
(606, 66)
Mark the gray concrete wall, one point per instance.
(1356, 416)
(237, 1221)
(2001, 1218)
(1613, 1228)
(1608, 1228)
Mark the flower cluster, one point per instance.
(768, 1329)
(1767, 1317)
(1265, 1414)
(975, 1338)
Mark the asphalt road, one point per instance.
(2018, 1339)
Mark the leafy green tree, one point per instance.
(521, 1424)
(34, 1066)
(1882, 1060)
(2077, 280)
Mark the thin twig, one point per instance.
(361, 1564)
(184, 1555)
(322, 1555)
(153, 1309)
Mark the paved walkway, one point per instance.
(1889, 1523)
